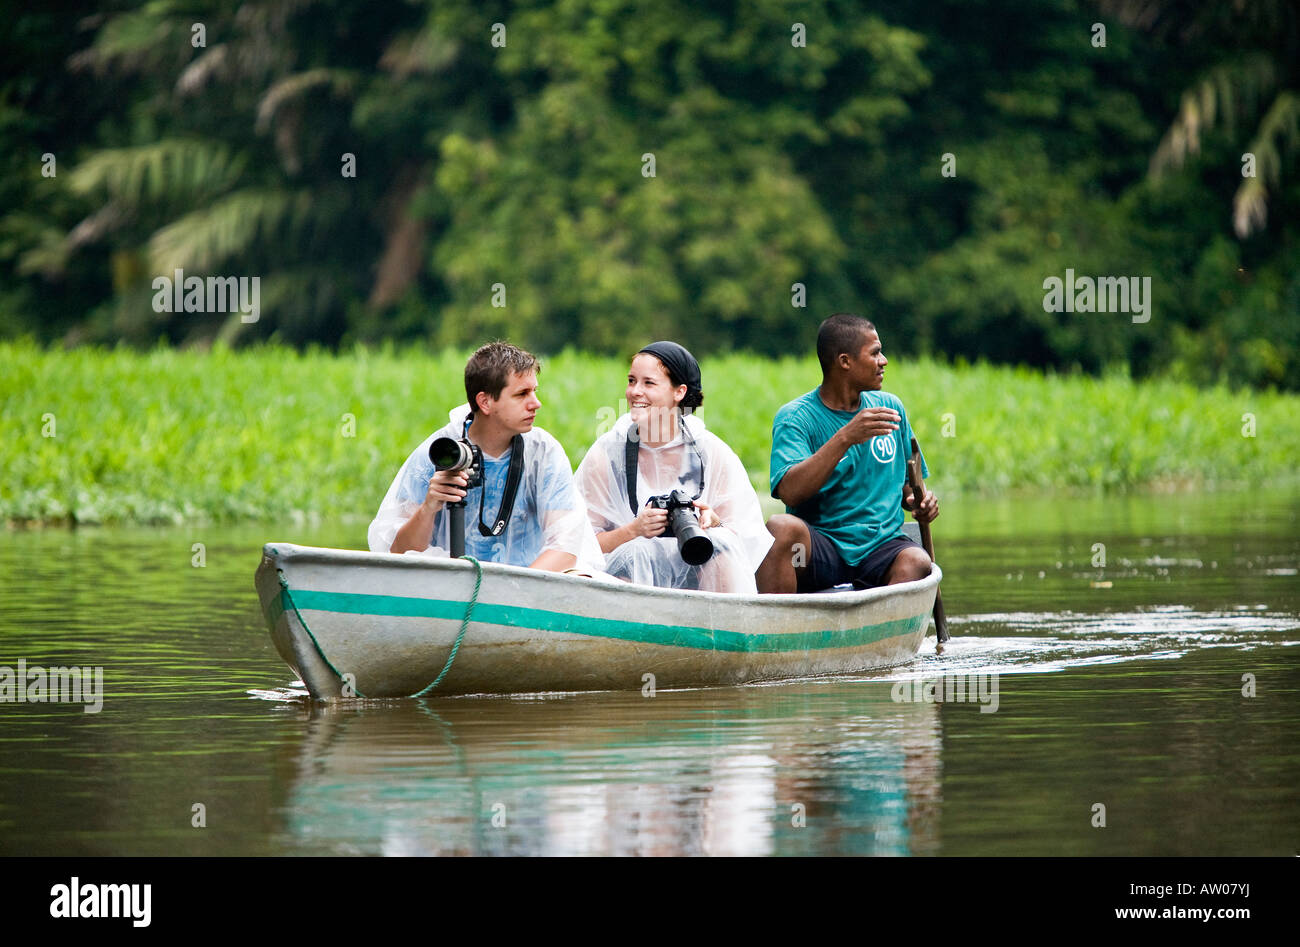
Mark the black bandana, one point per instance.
(682, 369)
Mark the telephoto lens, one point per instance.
(695, 547)
(450, 453)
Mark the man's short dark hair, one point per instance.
(841, 334)
(489, 369)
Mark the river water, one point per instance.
(1155, 693)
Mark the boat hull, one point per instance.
(382, 625)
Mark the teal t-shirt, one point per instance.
(859, 505)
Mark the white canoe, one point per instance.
(381, 625)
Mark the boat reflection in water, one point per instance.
(799, 769)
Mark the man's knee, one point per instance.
(788, 531)
(911, 564)
(791, 548)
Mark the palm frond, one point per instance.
(1276, 144)
(425, 51)
(205, 238)
(98, 225)
(210, 64)
(1189, 20)
(134, 41)
(283, 106)
(47, 253)
(165, 171)
(293, 87)
(1227, 94)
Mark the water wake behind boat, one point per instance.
(1038, 642)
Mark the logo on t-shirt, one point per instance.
(882, 448)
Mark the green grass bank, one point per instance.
(94, 435)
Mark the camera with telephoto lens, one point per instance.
(458, 453)
(684, 523)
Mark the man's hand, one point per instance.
(929, 506)
(869, 423)
(445, 486)
(802, 481)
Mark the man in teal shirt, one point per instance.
(839, 463)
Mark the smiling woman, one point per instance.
(657, 456)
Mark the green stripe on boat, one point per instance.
(682, 636)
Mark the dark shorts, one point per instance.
(826, 569)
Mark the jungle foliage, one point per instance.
(928, 165)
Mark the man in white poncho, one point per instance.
(673, 451)
(545, 526)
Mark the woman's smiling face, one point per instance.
(650, 393)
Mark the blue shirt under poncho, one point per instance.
(548, 513)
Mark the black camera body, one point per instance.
(684, 524)
(458, 453)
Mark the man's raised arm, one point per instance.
(802, 481)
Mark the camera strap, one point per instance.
(512, 488)
(630, 450)
(513, 476)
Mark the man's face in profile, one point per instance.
(867, 367)
(516, 407)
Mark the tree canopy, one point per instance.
(585, 173)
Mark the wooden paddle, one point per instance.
(918, 494)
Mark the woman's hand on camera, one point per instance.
(649, 522)
(708, 518)
(445, 486)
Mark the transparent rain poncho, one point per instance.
(548, 513)
(740, 543)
